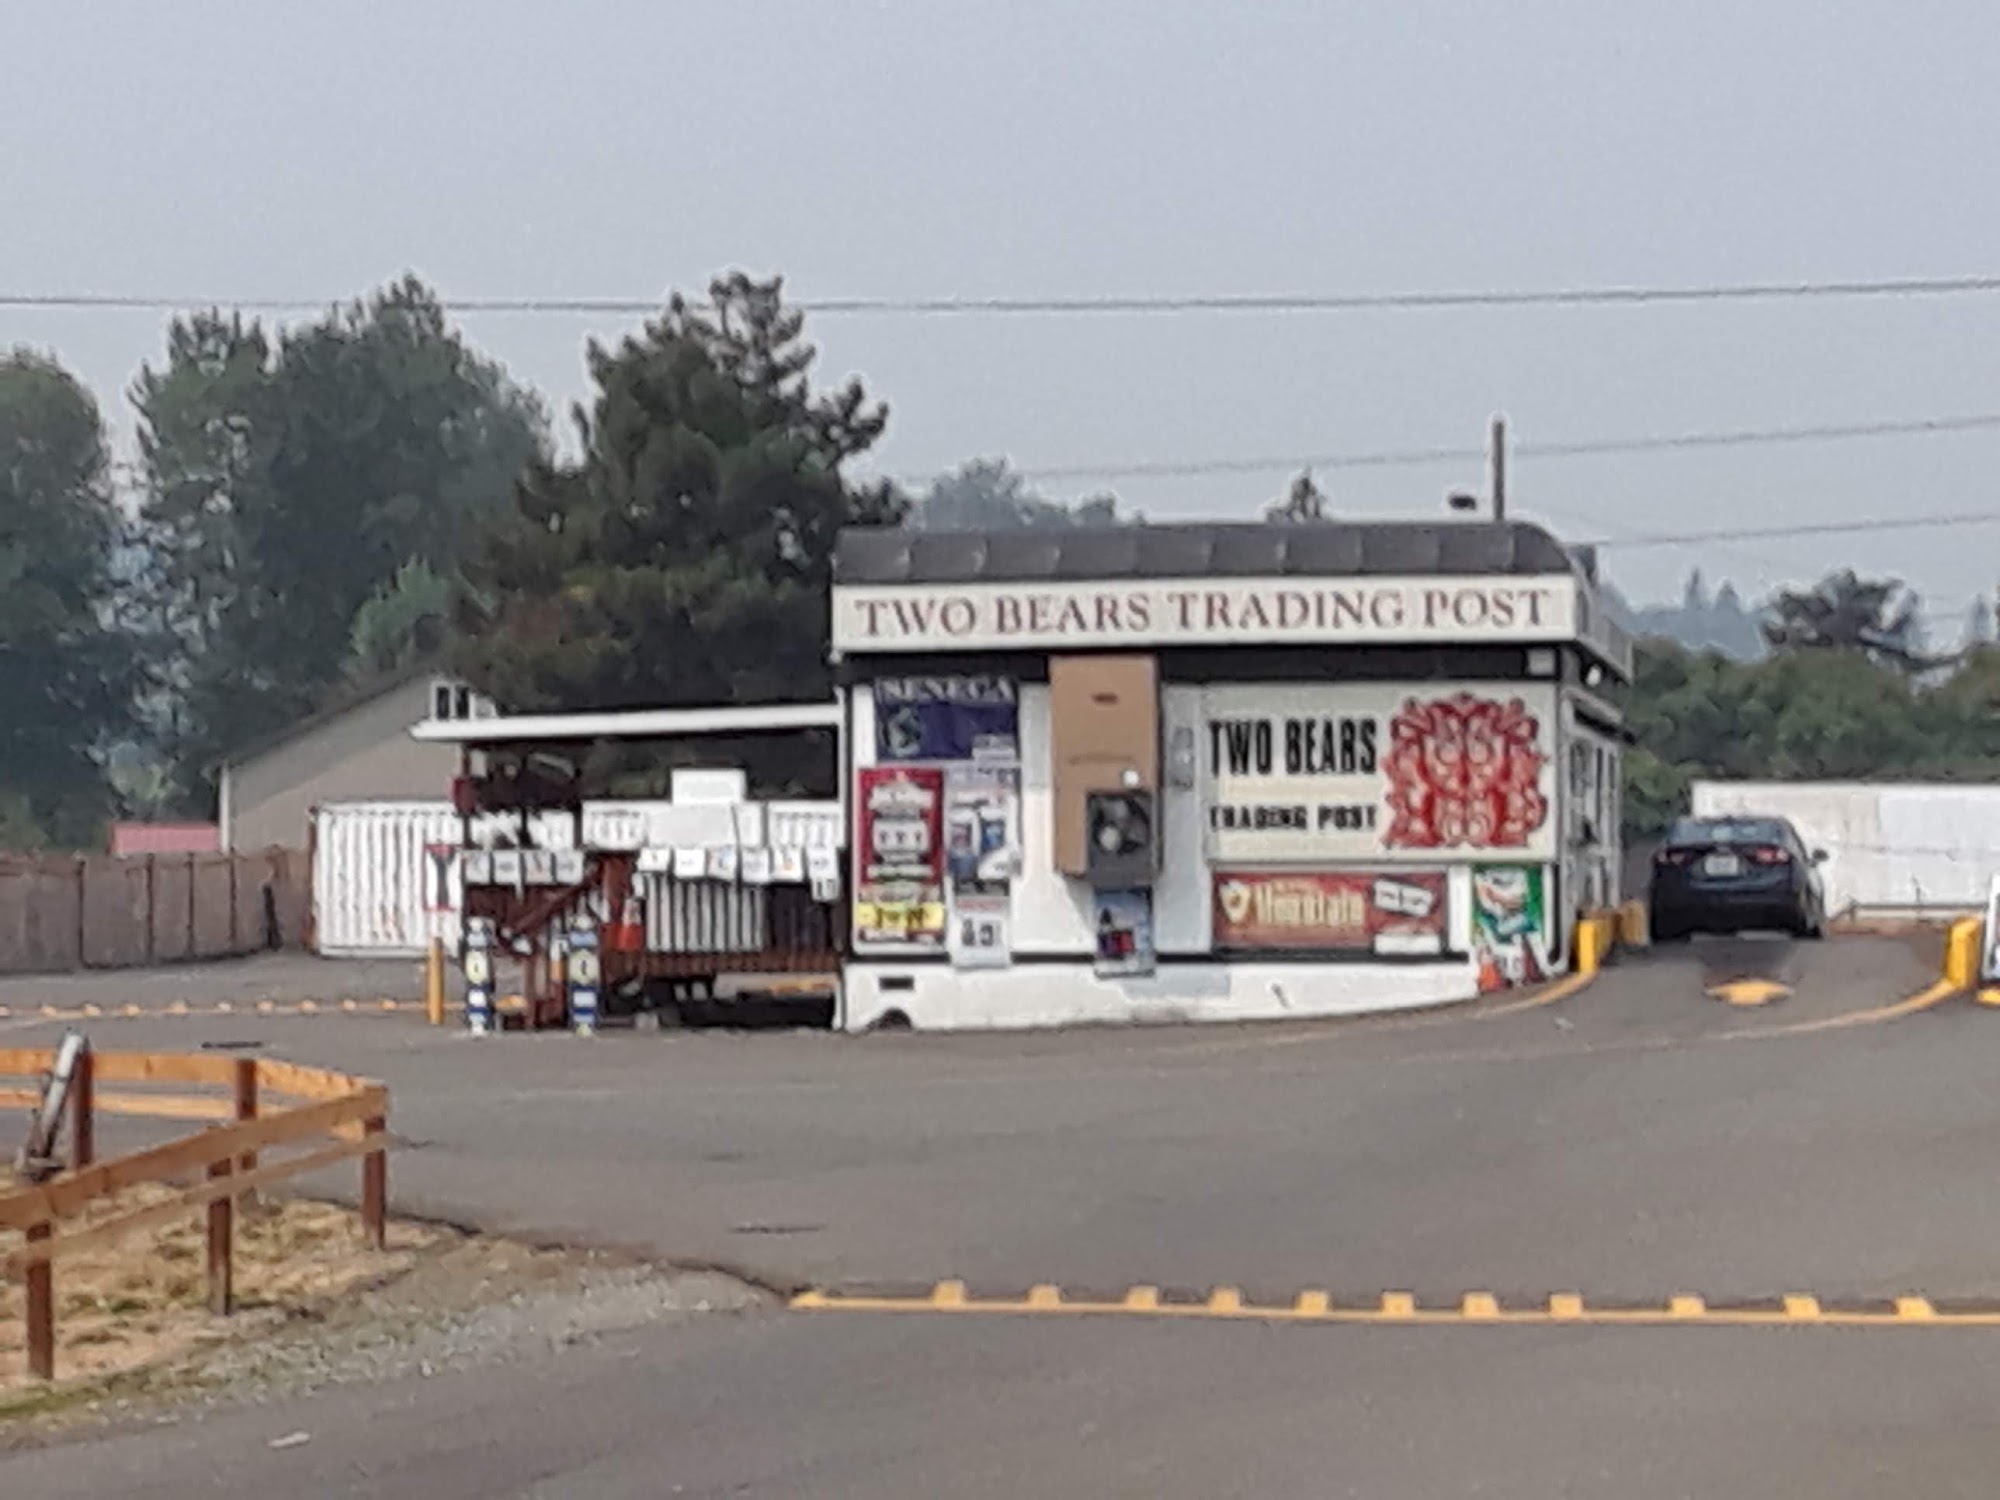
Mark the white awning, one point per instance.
(633, 724)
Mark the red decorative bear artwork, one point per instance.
(1464, 771)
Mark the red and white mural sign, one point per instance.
(1465, 772)
(1357, 772)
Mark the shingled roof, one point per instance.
(888, 555)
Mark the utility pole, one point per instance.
(1467, 503)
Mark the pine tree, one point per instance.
(686, 558)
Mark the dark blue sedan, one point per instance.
(1736, 874)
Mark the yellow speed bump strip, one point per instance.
(182, 1010)
(1681, 1310)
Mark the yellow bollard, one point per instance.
(1595, 934)
(1962, 947)
(434, 983)
(1632, 925)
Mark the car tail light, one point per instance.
(1674, 857)
(1769, 855)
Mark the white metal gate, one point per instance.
(385, 877)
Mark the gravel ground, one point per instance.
(467, 1302)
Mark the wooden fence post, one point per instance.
(246, 1109)
(221, 1234)
(82, 912)
(41, 1308)
(83, 1112)
(152, 908)
(375, 1186)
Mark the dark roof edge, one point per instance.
(891, 555)
(343, 699)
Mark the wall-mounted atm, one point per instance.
(1104, 734)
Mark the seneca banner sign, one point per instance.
(1184, 612)
(1357, 772)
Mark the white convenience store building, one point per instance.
(1219, 772)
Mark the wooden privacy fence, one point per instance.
(340, 1116)
(63, 912)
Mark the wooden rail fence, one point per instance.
(257, 1105)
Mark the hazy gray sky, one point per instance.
(622, 147)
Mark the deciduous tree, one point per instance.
(289, 479)
(65, 670)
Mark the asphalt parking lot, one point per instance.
(1648, 1138)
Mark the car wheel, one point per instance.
(1666, 932)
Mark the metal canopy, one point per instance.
(632, 724)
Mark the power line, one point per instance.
(1246, 302)
(1412, 457)
(1947, 520)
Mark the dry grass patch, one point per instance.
(144, 1300)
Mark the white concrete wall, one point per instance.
(1891, 847)
(940, 998)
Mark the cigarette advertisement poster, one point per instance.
(1360, 911)
(899, 884)
(1124, 933)
(946, 717)
(1510, 932)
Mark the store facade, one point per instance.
(1219, 772)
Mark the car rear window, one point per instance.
(1726, 831)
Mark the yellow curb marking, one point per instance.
(1315, 1306)
(1924, 999)
(1562, 989)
